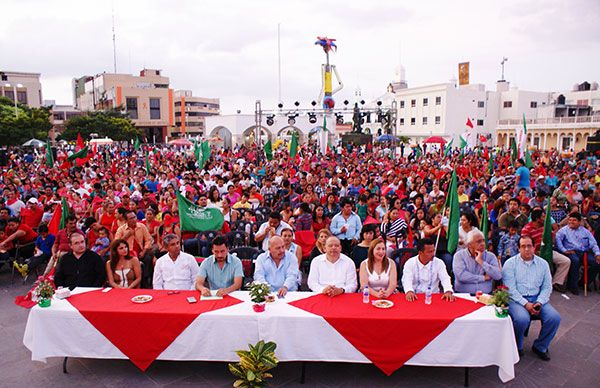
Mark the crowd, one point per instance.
(351, 219)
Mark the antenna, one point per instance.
(504, 60)
(114, 39)
(279, 58)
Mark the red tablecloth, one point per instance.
(387, 337)
(143, 331)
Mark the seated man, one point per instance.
(80, 267)
(529, 284)
(221, 270)
(17, 233)
(475, 267)
(175, 270)
(332, 273)
(426, 271)
(277, 267)
(573, 240)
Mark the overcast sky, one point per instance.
(228, 49)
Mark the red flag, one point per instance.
(486, 153)
(469, 123)
(54, 224)
(113, 168)
(79, 145)
(482, 138)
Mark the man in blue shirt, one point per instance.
(474, 268)
(522, 177)
(346, 226)
(573, 240)
(277, 267)
(529, 284)
(222, 271)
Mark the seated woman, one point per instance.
(360, 251)
(394, 228)
(123, 270)
(378, 272)
(319, 248)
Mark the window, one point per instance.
(438, 119)
(424, 120)
(438, 101)
(131, 107)
(9, 94)
(413, 103)
(22, 97)
(479, 123)
(401, 104)
(155, 109)
(413, 121)
(425, 101)
(566, 143)
(59, 115)
(508, 104)
(402, 121)
(533, 104)
(480, 104)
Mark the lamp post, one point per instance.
(15, 86)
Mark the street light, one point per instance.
(15, 86)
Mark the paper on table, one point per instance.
(213, 296)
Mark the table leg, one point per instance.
(65, 365)
(303, 373)
(466, 377)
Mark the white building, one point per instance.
(26, 87)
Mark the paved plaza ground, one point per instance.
(575, 360)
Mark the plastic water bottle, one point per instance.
(366, 294)
(428, 296)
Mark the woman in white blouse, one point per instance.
(378, 272)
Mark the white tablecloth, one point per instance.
(477, 339)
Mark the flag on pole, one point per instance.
(198, 219)
(268, 147)
(294, 145)
(205, 152)
(59, 217)
(79, 144)
(528, 162)
(546, 247)
(523, 139)
(484, 225)
(448, 148)
(197, 152)
(49, 156)
(490, 165)
(137, 144)
(469, 123)
(454, 214)
(81, 154)
(148, 165)
(323, 136)
(463, 143)
(418, 152)
(513, 147)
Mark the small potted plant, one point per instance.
(44, 292)
(258, 295)
(500, 301)
(252, 369)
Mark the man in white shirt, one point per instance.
(424, 271)
(272, 227)
(332, 273)
(176, 270)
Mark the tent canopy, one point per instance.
(102, 141)
(181, 142)
(34, 143)
(435, 139)
(387, 137)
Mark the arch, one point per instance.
(249, 134)
(224, 134)
(285, 133)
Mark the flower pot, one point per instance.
(259, 307)
(44, 302)
(501, 312)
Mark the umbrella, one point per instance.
(435, 139)
(34, 143)
(387, 137)
(181, 142)
(106, 140)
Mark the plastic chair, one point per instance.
(236, 239)
(247, 255)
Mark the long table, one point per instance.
(477, 339)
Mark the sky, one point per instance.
(228, 49)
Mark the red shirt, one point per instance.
(32, 217)
(30, 234)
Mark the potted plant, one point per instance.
(500, 301)
(254, 364)
(258, 295)
(44, 292)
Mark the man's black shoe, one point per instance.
(559, 288)
(521, 353)
(543, 355)
(574, 290)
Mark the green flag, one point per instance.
(268, 150)
(197, 219)
(148, 165)
(448, 148)
(49, 156)
(197, 152)
(528, 162)
(513, 147)
(484, 225)
(294, 145)
(82, 153)
(137, 144)
(546, 248)
(454, 214)
(205, 147)
(463, 143)
(491, 165)
(418, 152)
(64, 214)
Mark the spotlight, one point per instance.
(270, 120)
(379, 103)
(346, 102)
(339, 119)
(312, 118)
(362, 102)
(292, 119)
(297, 103)
(313, 103)
(280, 105)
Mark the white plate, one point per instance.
(141, 299)
(383, 304)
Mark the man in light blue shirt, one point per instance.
(277, 267)
(522, 177)
(222, 271)
(474, 268)
(346, 226)
(529, 284)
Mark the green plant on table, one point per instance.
(501, 297)
(44, 289)
(252, 370)
(259, 291)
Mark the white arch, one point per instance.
(249, 133)
(224, 134)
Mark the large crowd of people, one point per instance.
(337, 223)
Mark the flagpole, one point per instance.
(437, 240)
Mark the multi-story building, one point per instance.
(25, 86)
(62, 113)
(146, 98)
(190, 112)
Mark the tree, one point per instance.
(110, 123)
(28, 123)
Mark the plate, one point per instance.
(383, 304)
(141, 299)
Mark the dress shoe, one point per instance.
(574, 290)
(521, 353)
(543, 355)
(559, 288)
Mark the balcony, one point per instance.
(578, 121)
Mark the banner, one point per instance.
(196, 219)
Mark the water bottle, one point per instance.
(428, 296)
(366, 294)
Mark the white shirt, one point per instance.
(324, 273)
(264, 226)
(416, 276)
(175, 275)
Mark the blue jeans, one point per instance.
(576, 261)
(521, 320)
